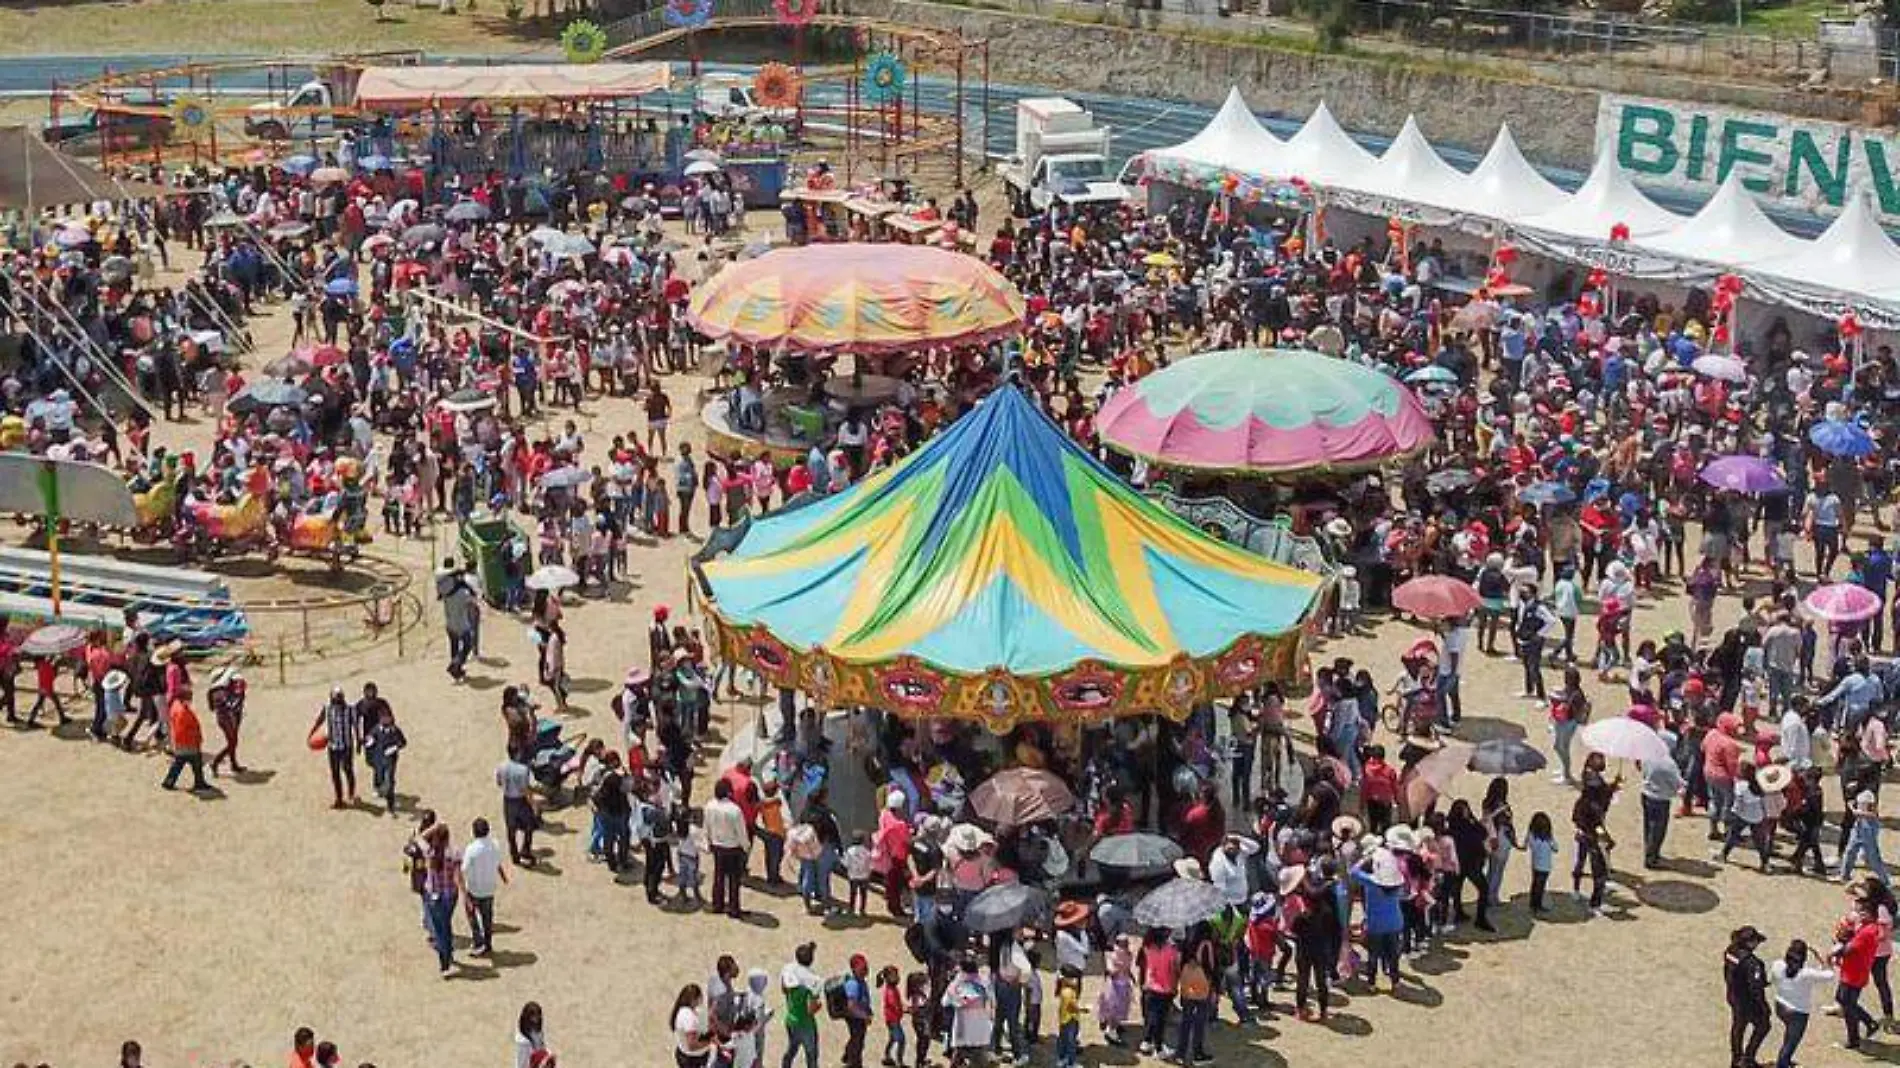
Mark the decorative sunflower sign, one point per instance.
(884, 77)
(583, 41)
(777, 85)
(191, 118)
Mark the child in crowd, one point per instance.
(1118, 992)
(891, 1011)
(922, 1011)
(1543, 849)
(857, 872)
(690, 844)
(1069, 1012)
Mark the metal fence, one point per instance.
(1841, 51)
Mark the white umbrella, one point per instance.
(1726, 368)
(1625, 739)
(698, 154)
(565, 478)
(701, 166)
(552, 577)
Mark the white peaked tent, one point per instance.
(1321, 153)
(1412, 170)
(1506, 187)
(1852, 256)
(1232, 141)
(1605, 199)
(1731, 230)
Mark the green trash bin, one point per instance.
(484, 537)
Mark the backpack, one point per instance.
(837, 1002)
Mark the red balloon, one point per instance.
(1620, 232)
(1506, 255)
(1597, 278)
(1849, 326)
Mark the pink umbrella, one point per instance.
(1433, 774)
(1842, 602)
(1436, 597)
(1625, 739)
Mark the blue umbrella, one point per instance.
(340, 287)
(298, 165)
(1837, 437)
(1544, 493)
(373, 163)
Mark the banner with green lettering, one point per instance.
(1803, 164)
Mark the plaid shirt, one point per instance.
(340, 721)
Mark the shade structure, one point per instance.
(1842, 602)
(858, 298)
(1017, 796)
(1000, 574)
(1838, 437)
(1180, 903)
(1606, 200)
(1266, 412)
(1625, 739)
(1730, 230)
(1504, 185)
(1743, 474)
(1233, 140)
(1436, 597)
(1322, 153)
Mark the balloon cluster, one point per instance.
(1849, 326)
(1727, 288)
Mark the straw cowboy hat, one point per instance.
(1188, 868)
(164, 653)
(115, 680)
(967, 838)
(1348, 828)
(224, 676)
(1401, 839)
(1774, 778)
(1073, 914)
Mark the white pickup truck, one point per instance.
(313, 109)
(1061, 156)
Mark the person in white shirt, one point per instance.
(1795, 982)
(726, 834)
(482, 876)
(1797, 742)
(1227, 868)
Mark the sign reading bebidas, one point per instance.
(1798, 162)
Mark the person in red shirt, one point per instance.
(1379, 789)
(187, 738)
(1857, 967)
(99, 662)
(45, 680)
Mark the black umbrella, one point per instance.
(1180, 903)
(1505, 756)
(1005, 907)
(1135, 851)
(424, 234)
(1450, 481)
(468, 211)
(261, 395)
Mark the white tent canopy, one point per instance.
(1854, 256)
(1604, 201)
(1505, 186)
(1731, 230)
(1412, 169)
(1233, 140)
(1322, 153)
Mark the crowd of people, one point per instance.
(449, 338)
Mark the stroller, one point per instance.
(552, 761)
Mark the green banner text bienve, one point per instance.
(1801, 162)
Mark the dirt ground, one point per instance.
(209, 929)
